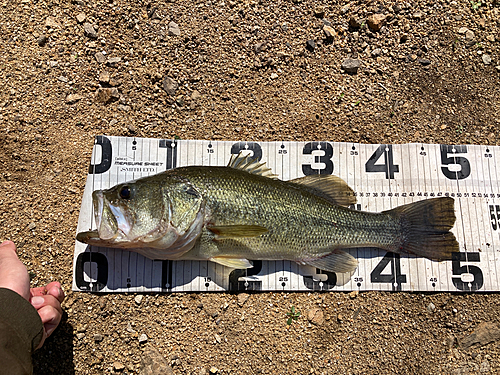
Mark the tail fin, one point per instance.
(426, 226)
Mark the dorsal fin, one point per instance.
(332, 188)
(250, 165)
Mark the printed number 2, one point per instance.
(466, 277)
(388, 167)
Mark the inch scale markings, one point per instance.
(382, 177)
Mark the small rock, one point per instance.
(143, 338)
(490, 38)
(106, 95)
(484, 333)
(329, 33)
(113, 62)
(355, 22)
(173, 29)
(486, 59)
(80, 336)
(123, 107)
(418, 15)
(319, 12)
(469, 36)
(195, 95)
(118, 366)
(170, 86)
(424, 62)
(99, 56)
(315, 316)
(73, 98)
(274, 75)
(351, 65)
(89, 31)
(462, 30)
(451, 341)
(42, 40)
(259, 47)
(242, 298)
(63, 79)
(354, 294)
(98, 337)
(153, 363)
(311, 45)
(31, 226)
(104, 77)
(431, 307)
(51, 23)
(213, 370)
(138, 299)
(81, 17)
(376, 52)
(376, 21)
(485, 367)
(102, 302)
(129, 328)
(131, 129)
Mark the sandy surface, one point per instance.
(240, 70)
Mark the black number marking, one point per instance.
(170, 145)
(458, 270)
(325, 158)
(243, 146)
(464, 164)
(495, 216)
(102, 271)
(318, 285)
(395, 277)
(388, 167)
(238, 286)
(106, 152)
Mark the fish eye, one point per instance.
(125, 192)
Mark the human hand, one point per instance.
(46, 300)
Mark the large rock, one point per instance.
(376, 21)
(351, 65)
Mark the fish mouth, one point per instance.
(112, 222)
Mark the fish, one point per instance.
(241, 212)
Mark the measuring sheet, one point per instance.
(382, 177)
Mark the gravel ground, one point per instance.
(371, 72)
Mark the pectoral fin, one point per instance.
(236, 231)
(232, 262)
(337, 261)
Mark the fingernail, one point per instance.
(37, 301)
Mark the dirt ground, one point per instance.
(239, 70)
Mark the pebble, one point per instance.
(316, 316)
(486, 59)
(81, 17)
(106, 95)
(31, 226)
(319, 12)
(138, 299)
(242, 298)
(80, 336)
(485, 367)
(469, 36)
(173, 29)
(104, 77)
(170, 86)
(424, 62)
(311, 45)
(98, 337)
(99, 56)
(118, 366)
(351, 65)
(213, 370)
(195, 95)
(376, 52)
(376, 21)
(329, 33)
(73, 98)
(129, 328)
(143, 338)
(355, 22)
(89, 31)
(42, 40)
(153, 363)
(431, 307)
(113, 62)
(63, 79)
(274, 75)
(462, 30)
(51, 23)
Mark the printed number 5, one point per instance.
(495, 219)
(467, 277)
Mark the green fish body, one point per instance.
(232, 214)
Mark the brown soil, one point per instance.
(243, 73)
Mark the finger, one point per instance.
(54, 288)
(51, 317)
(39, 302)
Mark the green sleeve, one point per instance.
(21, 330)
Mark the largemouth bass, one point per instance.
(230, 215)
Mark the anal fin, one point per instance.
(337, 261)
(233, 262)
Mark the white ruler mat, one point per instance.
(382, 176)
